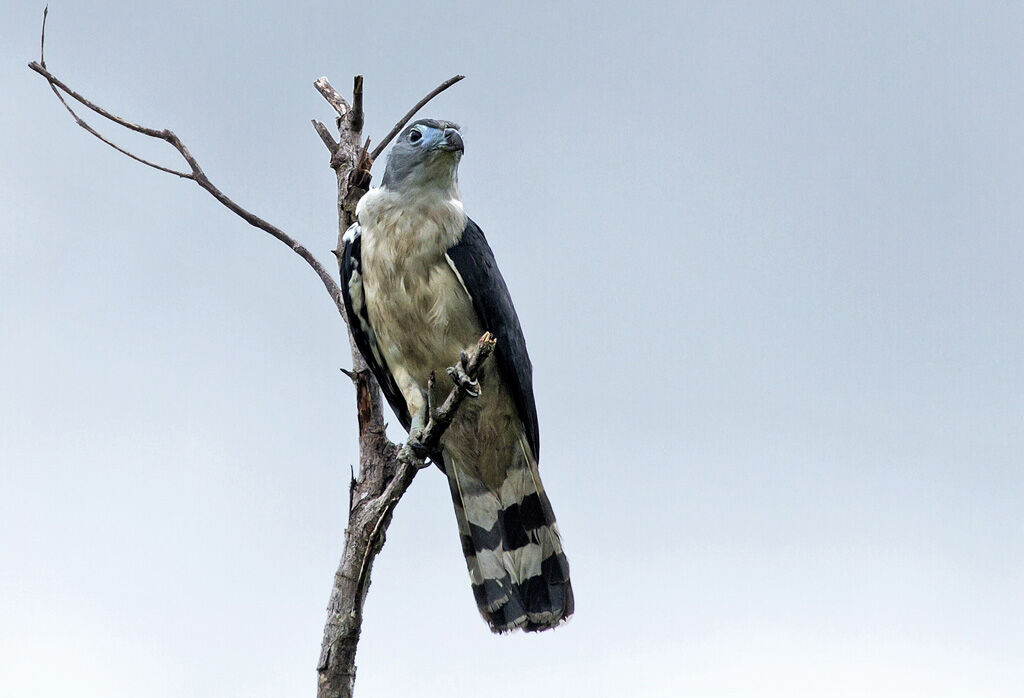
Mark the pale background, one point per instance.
(768, 258)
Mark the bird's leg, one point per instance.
(413, 449)
(459, 376)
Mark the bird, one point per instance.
(420, 286)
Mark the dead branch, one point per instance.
(383, 477)
(373, 497)
(195, 174)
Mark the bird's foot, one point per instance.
(413, 451)
(459, 376)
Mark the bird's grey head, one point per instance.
(425, 156)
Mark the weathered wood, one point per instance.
(382, 478)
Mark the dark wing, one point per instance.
(359, 323)
(474, 260)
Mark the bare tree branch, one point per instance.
(336, 668)
(54, 82)
(333, 97)
(115, 146)
(357, 103)
(373, 499)
(42, 38)
(383, 477)
(325, 135)
(197, 175)
(41, 68)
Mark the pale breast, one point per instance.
(419, 309)
(423, 317)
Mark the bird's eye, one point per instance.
(415, 136)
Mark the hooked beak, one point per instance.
(452, 141)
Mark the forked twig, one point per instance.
(195, 174)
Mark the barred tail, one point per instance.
(519, 573)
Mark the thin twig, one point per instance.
(53, 80)
(325, 135)
(81, 122)
(363, 162)
(197, 175)
(41, 68)
(355, 118)
(412, 112)
(42, 38)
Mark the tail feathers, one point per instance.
(540, 602)
(520, 575)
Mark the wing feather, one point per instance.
(476, 267)
(359, 323)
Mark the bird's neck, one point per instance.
(436, 218)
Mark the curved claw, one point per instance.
(406, 454)
(413, 451)
(459, 376)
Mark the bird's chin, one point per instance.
(453, 149)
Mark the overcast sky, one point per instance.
(768, 259)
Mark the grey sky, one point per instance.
(768, 262)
